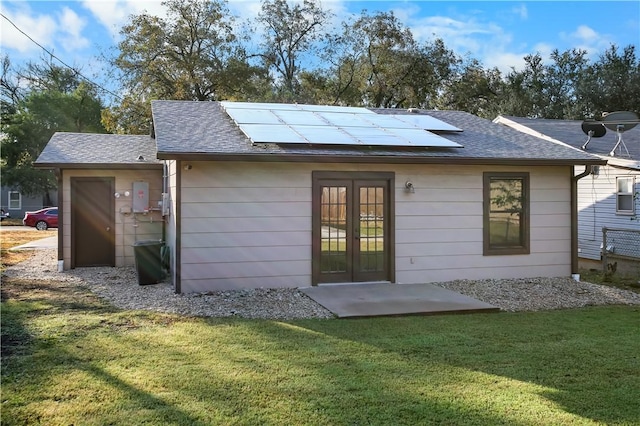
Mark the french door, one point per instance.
(352, 227)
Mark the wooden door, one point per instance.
(92, 222)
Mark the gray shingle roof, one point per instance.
(185, 129)
(570, 132)
(92, 150)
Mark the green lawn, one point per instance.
(70, 359)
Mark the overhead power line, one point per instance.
(60, 60)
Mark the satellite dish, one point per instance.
(621, 121)
(593, 128)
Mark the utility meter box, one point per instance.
(140, 197)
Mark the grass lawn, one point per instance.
(68, 358)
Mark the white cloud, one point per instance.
(485, 41)
(585, 33)
(71, 26)
(521, 11)
(113, 14)
(586, 38)
(41, 28)
(504, 61)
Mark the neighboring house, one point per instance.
(303, 204)
(16, 203)
(610, 195)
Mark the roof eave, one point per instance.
(103, 166)
(300, 158)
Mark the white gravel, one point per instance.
(120, 287)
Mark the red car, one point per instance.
(42, 219)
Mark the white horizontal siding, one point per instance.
(597, 209)
(248, 239)
(249, 224)
(241, 254)
(245, 224)
(445, 242)
(241, 270)
(253, 209)
(458, 273)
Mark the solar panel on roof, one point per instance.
(345, 119)
(250, 116)
(389, 122)
(307, 118)
(268, 133)
(324, 135)
(427, 122)
(332, 125)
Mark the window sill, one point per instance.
(506, 251)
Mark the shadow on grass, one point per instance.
(405, 370)
(39, 356)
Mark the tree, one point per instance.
(290, 33)
(473, 89)
(192, 54)
(30, 119)
(376, 62)
(563, 79)
(612, 83)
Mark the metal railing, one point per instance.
(620, 244)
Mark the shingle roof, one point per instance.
(570, 132)
(93, 150)
(186, 129)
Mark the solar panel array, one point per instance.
(334, 125)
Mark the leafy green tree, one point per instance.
(524, 95)
(192, 54)
(612, 83)
(376, 62)
(564, 77)
(32, 117)
(473, 89)
(291, 33)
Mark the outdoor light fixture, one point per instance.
(408, 187)
(188, 167)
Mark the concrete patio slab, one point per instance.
(355, 300)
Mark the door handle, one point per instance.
(108, 228)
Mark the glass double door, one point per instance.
(351, 230)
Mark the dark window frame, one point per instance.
(525, 239)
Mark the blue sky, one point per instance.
(498, 33)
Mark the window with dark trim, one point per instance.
(506, 213)
(624, 195)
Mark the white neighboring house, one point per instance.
(610, 196)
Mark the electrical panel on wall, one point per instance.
(140, 197)
(165, 203)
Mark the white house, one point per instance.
(609, 196)
(273, 195)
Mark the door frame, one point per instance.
(316, 229)
(73, 180)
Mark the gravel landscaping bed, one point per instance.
(119, 286)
